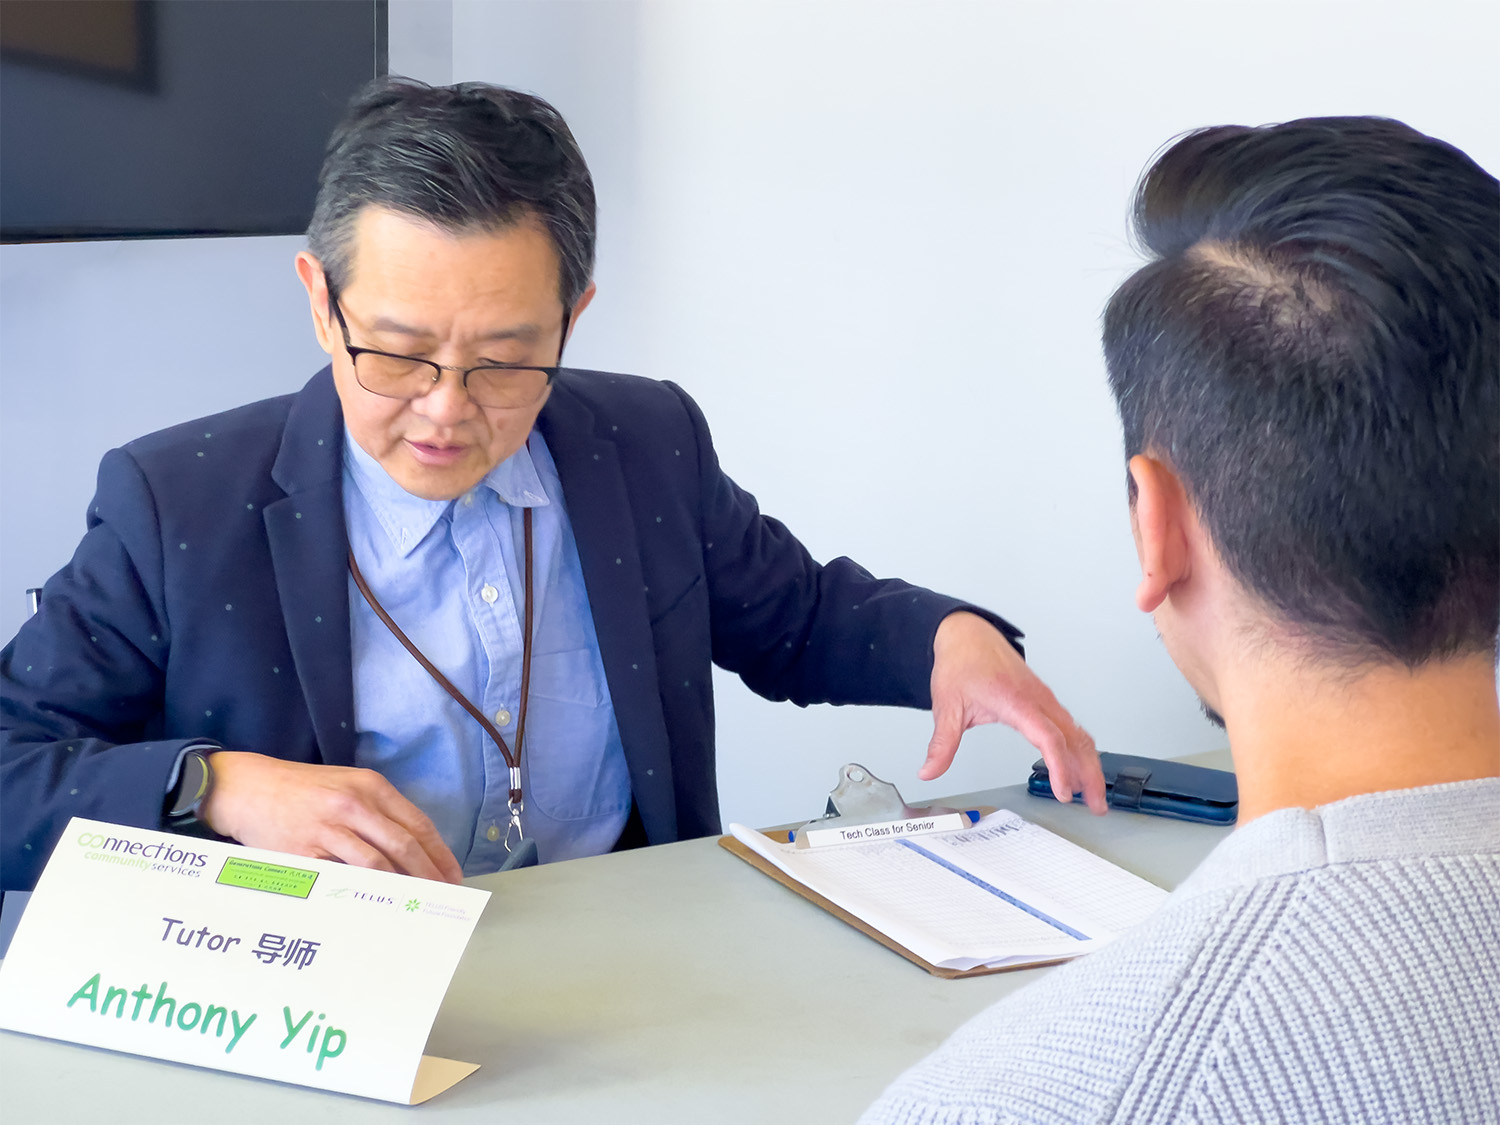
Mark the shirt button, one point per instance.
(489, 593)
(502, 718)
(468, 500)
(493, 834)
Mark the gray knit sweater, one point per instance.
(1334, 965)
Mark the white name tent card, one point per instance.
(298, 970)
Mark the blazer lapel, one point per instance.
(599, 509)
(309, 548)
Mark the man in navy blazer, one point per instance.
(193, 668)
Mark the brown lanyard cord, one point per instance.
(511, 760)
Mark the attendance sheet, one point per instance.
(1005, 892)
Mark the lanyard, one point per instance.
(516, 804)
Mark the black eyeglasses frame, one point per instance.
(438, 368)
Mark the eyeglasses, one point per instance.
(504, 385)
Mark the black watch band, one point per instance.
(184, 804)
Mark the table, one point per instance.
(671, 984)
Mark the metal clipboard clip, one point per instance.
(862, 809)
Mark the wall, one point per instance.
(872, 239)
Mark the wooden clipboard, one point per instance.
(734, 847)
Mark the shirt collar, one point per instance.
(408, 519)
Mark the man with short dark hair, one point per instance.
(452, 601)
(1308, 373)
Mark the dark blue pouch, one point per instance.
(1159, 787)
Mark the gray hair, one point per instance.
(466, 157)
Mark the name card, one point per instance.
(885, 830)
(298, 970)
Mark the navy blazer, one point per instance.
(209, 601)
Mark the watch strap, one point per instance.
(190, 787)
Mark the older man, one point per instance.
(1307, 376)
(451, 595)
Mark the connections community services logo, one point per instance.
(142, 855)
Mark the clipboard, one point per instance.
(734, 847)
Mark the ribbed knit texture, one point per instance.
(1334, 965)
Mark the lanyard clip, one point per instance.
(513, 830)
(514, 836)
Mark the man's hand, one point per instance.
(979, 677)
(354, 816)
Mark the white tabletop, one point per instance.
(671, 984)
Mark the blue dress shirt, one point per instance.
(450, 573)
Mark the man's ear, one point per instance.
(310, 273)
(1158, 518)
(578, 307)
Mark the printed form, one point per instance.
(1005, 892)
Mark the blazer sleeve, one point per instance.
(81, 685)
(794, 629)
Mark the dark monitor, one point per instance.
(155, 118)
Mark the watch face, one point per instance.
(192, 786)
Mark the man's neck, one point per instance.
(1301, 738)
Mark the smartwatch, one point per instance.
(184, 804)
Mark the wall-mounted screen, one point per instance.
(156, 118)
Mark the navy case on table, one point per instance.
(1163, 788)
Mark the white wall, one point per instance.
(420, 39)
(872, 239)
